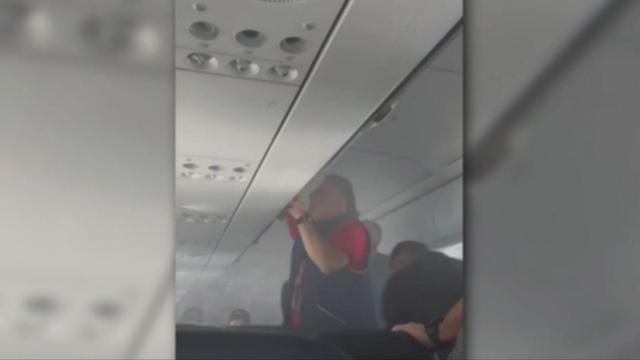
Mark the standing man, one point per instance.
(328, 276)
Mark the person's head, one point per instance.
(332, 198)
(193, 315)
(239, 317)
(404, 254)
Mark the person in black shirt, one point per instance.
(423, 286)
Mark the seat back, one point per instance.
(377, 344)
(249, 343)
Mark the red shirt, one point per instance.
(351, 237)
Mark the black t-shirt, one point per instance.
(424, 291)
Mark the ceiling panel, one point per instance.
(227, 118)
(426, 124)
(451, 58)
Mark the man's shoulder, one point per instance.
(437, 259)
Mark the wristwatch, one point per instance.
(303, 219)
(432, 330)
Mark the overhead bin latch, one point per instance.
(383, 113)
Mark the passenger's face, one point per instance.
(237, 322)
(326, 202)
(401, 262)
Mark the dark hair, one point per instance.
(409, 246)
(240, 314)
(345, 188)
(193, 314)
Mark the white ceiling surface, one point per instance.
(431, 103)
(543, 29)
(226, 117)
(87, 189)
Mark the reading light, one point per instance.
(284, 72)
(244, 67)
(202, 60)
(237, 178)
(199, 7)
(214, 177)
(190, 175)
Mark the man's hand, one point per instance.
(416, 331)
(296, 208)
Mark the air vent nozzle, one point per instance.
(203, 30)
(250, 38)
(293, 45)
